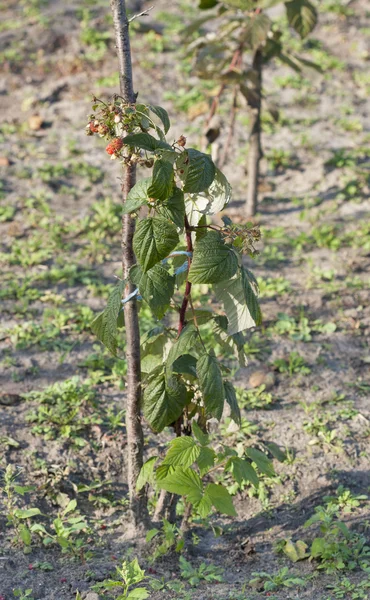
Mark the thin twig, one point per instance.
(144, 13)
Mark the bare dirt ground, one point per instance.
(59, 232)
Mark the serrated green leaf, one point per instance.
(206, 459)
(184, 482)
(200, 172)
(146, 473)
(162, 114)
(156, 286)
(213, 261)
(105, 324)
(220, 499)
(263, 463)
(302, 16)
(183, 452)
(137, 196)
(242, 470)
(162, 180)
(230, 397)
(174, 208)
(204, 506)
(186, 343)
(154, 239)
(163, 400)
(211, 385)
(145, 141)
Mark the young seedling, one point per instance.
(129, 575)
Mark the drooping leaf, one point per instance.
(162, 180)
(156, 286)
(186, 343)
(211, 201)
(239, 300)
(162, 114)
(296, 550)
(183, 452)
(276, 451)
(230, 397)
(302, 16)
(211, 385)
(261, 460)
(184, 482)
(203, 438)
(250, 287)
(186, 364)
(213, 261)
(146, 473)
(200, 172)
(154, 239)
(137, 196)
(220, 499)
(145, 141)
(242, 470)
(174, 208)
(105, 324)
(256, 30)
(163, 400)
(206, 459)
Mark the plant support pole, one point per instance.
(255, 151)
(135, 439)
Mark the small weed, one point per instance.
(129, 575)
(337, 548)
(270, 287)
(345, 500)
(295, 363)
(279, 580)
(194, 575)
(65, 409)
(18, 518)
(167, 537)
(255, 399)
(23, 594)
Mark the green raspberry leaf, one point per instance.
(154, 239)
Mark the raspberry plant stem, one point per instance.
(135, 440)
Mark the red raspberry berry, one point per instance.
(114, 146)
(94, 126)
